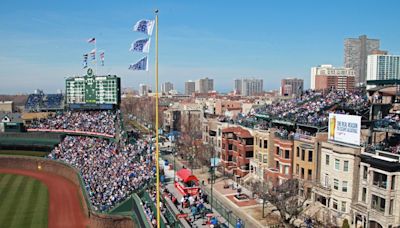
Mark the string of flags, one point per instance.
(142, 45)
(92, 54)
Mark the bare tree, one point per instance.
(261, 190)
(287, 200)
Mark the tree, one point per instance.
(261, 190)
(287, 200)
(345, 224)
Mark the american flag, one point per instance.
(92, 40)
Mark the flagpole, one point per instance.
(157, 147)
(95, 53)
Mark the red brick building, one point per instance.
(281, 159)
(237, 149)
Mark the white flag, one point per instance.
(142, 45)
(140, 65)
(145, 26)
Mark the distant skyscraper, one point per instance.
(383, 67)
(356, 51)
(291, 86)
(204, 85)
(329, 77)
(143, 90)
(190, 87)
(166, 87)
(248, 86)
(238, 86)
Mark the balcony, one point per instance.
(324, 190)
(284, 136)
(380, 184)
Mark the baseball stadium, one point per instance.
(67, 161)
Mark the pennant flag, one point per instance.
(92, 40)
(102, 58)
(140, 65)
(93, 54)
(145, 26)
(85, 58)
(141, 45)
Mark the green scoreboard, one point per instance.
(93, 92)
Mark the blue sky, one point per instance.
(41, 42)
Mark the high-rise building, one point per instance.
(383, 67)
(143, 90)
(356, 51)
(291, 86)
(190, 87)
(329, 77)
(238, 86)
(248, 86)
(204, 85)
(166, 87)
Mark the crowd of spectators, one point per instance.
(312, 108)
(391, 121)
(110, 172)
(42, 102)
(88, 121)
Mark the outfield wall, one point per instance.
(68, 172)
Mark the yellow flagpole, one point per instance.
(157, 149)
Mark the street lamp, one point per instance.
(229, 213)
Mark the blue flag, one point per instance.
(140, 65)
(141, 45)
(145, 26)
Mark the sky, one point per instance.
(42, 42)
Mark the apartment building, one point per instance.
(237, 150)
(338, 180)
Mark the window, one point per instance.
(334, 204)
(286, 170)
(336, 184)
(310, 154)
(344, 186)
(302, 173)
(337, 164)
(297, 169)
(298, 152)
(326, 159)
(309, 177)
(378, 203)
(346, 166)
(265, 159)
(260, 145)
(365, 172)
(380, 180)
(327, 181)
(303, 154)
(393, 182)
(287, 155)
(265, 144)
(364, 195)
(391, 207)
(277, 150)
(343, 206)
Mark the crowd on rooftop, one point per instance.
(110, 172)
(312, 108)
(391, 121)
(41, 101)
(88, 121)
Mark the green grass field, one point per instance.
(24, 152)
(23, 201)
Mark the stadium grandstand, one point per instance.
(311, 109)
(41, 102)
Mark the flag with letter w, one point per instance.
(141, 45)
(140, 65)
(145, 26)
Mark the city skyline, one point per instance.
(42, 43)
